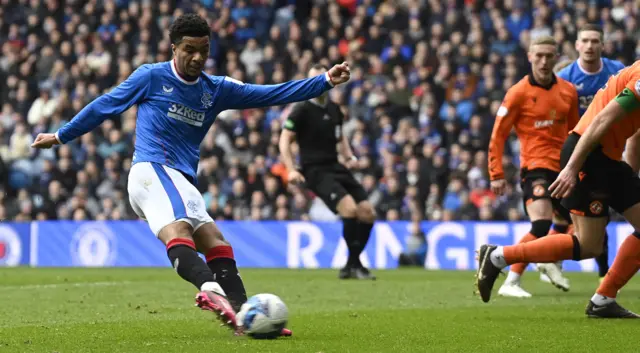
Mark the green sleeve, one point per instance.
(295, 118)
(627, 100)
(290, 125)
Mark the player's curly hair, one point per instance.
(190, 25)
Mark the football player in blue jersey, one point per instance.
(588, 74)
(177, 103)
(591, 71)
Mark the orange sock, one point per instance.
(551, 248)
(521, 266)
(625, 265)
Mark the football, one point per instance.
(263, 316)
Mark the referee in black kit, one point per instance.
(317, 126)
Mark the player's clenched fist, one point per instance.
(295, 177)
(498, 186)
(339, 74)
(45, 141)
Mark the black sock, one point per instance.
(364, 232)
(187, 263)
(221, 262)
(577, 253)
(561, 228)
(603, 259)
(350, 234)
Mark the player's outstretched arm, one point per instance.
(132, 91)
(238, 95)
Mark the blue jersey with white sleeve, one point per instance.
(174, 115)
(587, 84)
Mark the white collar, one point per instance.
(590, 73)
(177, 75)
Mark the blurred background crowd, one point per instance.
(427, 79)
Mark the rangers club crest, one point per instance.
(193, 206)
(206, 100)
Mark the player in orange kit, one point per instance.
(593, 177)
(543, 108)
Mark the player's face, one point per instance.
(542, 58)
(589, 45)
(191, 54)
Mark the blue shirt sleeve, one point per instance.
(237, 95)
(564, 73)
(132, 91)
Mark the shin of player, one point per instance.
(357, 221)
(542, 108)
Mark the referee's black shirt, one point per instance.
(318, 130)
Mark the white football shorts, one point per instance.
(162, 195)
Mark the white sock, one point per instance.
(513, 278)
(497, 257)
(212, 287)
(600, 300)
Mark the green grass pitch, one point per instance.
(152, 310)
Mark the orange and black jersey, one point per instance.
(542, 118)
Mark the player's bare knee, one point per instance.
(347, 207)
(221, 242)
(175, 230)
(349, 212)
(540, 209)
(217, 238)
(366, 214)
(209, 236)
(590, 235)
(217, 234)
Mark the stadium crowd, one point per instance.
(427, 79)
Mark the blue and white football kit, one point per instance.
(586, 83)
(173, 117)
